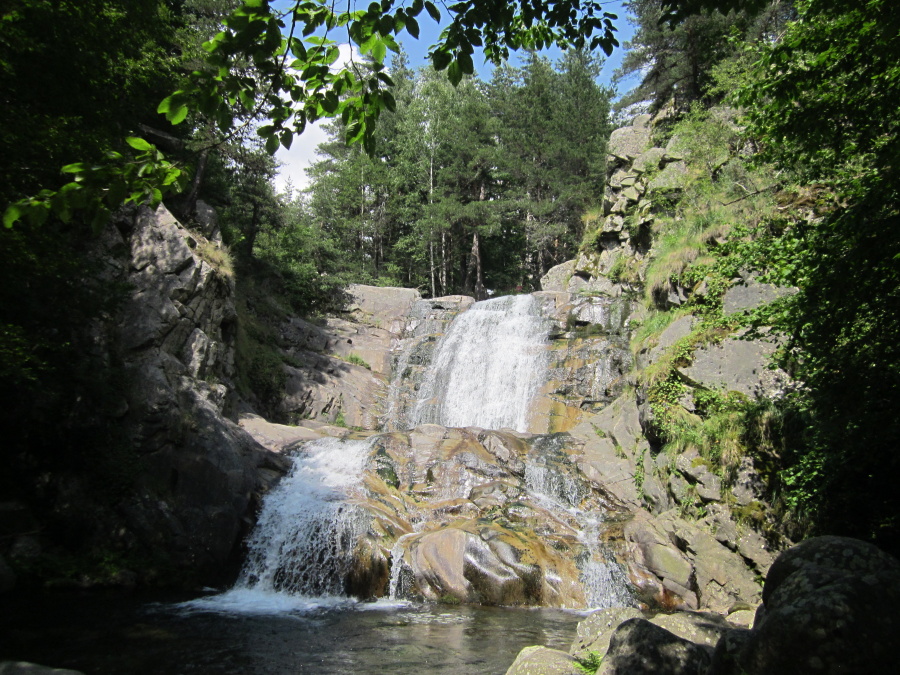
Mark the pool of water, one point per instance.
(100, 634)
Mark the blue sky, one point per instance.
(302, 152)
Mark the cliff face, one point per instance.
(187, 480)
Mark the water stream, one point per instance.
(485, 371)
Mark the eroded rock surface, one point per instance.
(489, 517)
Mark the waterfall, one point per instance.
(487, 367)
(307, 528)
(604, 581)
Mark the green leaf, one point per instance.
(139, 144)
(73, 168)
(465, 63)
(272, 144)
(379, 51)
(433, 11)
(11, 215)
(440, 59)
(454, 73)
(286, 139)
(177, 116)
(412, 27)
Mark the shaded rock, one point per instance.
(751, 294)
(833, 606)
(557, 278)
(595, 631)
(202, 475)
(831, 553)
(7, 577)
(639, 647)
(543, 661)
(322, 387)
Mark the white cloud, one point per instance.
(303, 150)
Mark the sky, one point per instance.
(303, 150)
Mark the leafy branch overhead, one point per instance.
(294, 56)
(283, 67)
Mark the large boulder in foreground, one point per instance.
(832, 605)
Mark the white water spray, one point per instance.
(487, 367)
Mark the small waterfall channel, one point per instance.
(485, 371)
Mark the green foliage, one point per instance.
(357, 360)
(676, 59)
(837, 65)
(260, 368)
(590, 663)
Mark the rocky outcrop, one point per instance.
(488, 517)
(340, 370)
(202, 474)
(830, 606)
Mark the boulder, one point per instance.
(832, 605)
(543, 661)
(382, 307)
(595, 631)
(628, 143)
(638, 647)
(557, 278)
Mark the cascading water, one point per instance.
(485, 371)
(487, 367)
(563, 493)
(302, 543)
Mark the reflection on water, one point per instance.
(101, 636)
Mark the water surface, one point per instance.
(113, 635)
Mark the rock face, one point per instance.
(488, 517)
(341, 369)
(201, 474)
